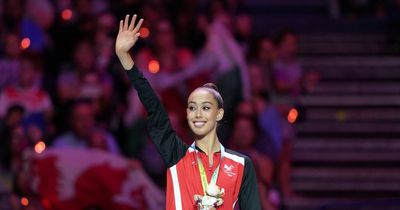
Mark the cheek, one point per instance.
(188, 118)
(189, 115)
(213, 116)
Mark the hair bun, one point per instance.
(213, 89)
(211, 86)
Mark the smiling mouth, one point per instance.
(199, 124)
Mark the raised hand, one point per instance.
(128, 34)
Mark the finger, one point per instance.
(136, 37)
(132, 22)
(126, 22)
(121, 25)
(138, 25)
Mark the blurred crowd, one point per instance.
(61, 87)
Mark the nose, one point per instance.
(198, 113)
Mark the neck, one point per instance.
(208, 144)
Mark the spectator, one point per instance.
(82, 124)
(263, 53)
(288, 77)
(72, 82)
(10, 62)
(83, 80)
(245, 142)
(18, 143)
(167, 58)
(266, 52)
(243, 31)
(104, 44)
(28, 93)
(12, 119)
(278, 134)
(267, 113)
(37, 19)
(13, 12)
(287, 71)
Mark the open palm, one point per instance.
(128, 34)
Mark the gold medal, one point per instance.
(213, 194)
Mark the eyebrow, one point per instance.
(206, 102)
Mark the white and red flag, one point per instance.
(81, 179)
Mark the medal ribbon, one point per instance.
(202, 171)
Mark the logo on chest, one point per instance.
(229, 170)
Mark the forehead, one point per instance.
(201, 95)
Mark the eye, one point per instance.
(206, 108)
(191, 108)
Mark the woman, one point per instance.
(204, 175)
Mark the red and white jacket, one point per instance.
(237, 175)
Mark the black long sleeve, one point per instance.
(170, 146)
(249, 198)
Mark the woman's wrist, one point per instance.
(121, 53)
(125, 59)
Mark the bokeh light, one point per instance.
(24, 201)
(341, 115)
(292, 116)
(66, 14)
(40, 147)
(154, 66)
(25, 43)
(144, 32)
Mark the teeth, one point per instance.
(199, 124)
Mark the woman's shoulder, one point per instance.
(237, 157)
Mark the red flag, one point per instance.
(67, 179)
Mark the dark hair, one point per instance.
(15, 108)
(282, 35)
(213, 89)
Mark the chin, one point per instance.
(199, 133)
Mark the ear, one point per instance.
(220, 114)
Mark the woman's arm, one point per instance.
(171, 148)
(249, 197)
(127, 36)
